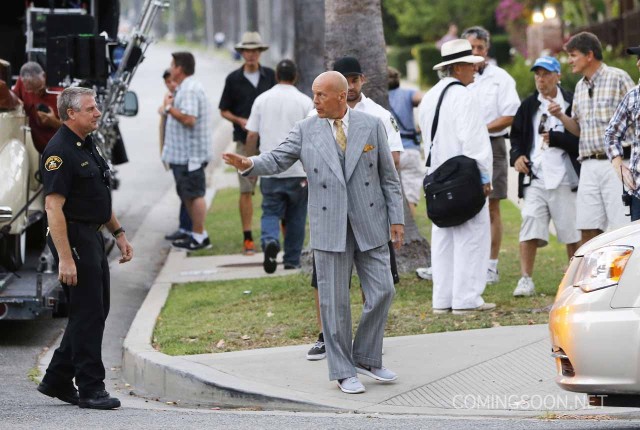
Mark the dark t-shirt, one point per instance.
(239, 94)
(75, 169)
(41, 133)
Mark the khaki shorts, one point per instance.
(500, 168)
(412, 171)
(541, 206)
(246, 186)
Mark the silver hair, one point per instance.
(446, 71)
(478, 32)
(70, 99)
(30, 70)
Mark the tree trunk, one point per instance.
(309, 46)
(354, 27)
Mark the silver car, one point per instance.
(595, 320)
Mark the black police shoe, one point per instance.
(178, 234)
(99, 400)
(190, 244)
(68, 394)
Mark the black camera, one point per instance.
(626, 199)
(43, 108)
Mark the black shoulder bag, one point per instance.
(454, 190)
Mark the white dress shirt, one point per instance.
(461, 130)
(496, 92)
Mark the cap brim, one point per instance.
(472, 59)
(634, 50)
(542, 66)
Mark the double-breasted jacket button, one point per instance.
(324, 208)
(315, 170)
(371, 204)
(324, 185)
(370, 164)
(366, 184)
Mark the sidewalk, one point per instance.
(502, 371)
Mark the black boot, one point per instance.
(68, 394)
(99, 400)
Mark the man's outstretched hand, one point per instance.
(238, 161)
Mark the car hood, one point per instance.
(611, 237)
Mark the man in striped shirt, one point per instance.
(597, 94)
(627, 115)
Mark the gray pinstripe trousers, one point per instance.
(334, 274)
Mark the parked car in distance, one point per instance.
(595, 320)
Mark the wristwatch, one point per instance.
(117, 232)
(167, 108)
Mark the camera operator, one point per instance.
(39, 104)
(626, 115)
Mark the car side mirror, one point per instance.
(129, 105)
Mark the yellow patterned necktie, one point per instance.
(341, 138)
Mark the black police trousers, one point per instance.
(80, 352)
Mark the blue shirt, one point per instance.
(401, 104)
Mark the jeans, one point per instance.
(185, 219)
(286, 199)
(635, 208)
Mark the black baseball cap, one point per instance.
(634, 50)
(348, 66)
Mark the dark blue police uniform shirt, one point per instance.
(75, 169)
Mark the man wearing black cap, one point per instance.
(627, 114)
(284, 195)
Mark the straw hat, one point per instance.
(457, 51)
(251, 40)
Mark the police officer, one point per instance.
(78, 203)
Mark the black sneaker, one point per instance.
(289, 266)
(317, 351)
(99, 400)
(176, 235)
(68, 394)
(190, 244)
(270, 254)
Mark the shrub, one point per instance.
(427, 56)
(500, 49)
(397, 56)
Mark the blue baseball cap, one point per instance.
(548, 63)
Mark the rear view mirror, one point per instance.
(129, 105)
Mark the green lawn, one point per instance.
(280, 310)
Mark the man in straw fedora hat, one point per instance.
(459, 254)
(241, 88)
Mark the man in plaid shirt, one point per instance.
(187, 147)
(626, 115)
(597, 94)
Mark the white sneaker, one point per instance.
(483, 307)
(379, 373)
(525, 287)
(493, 277)
(424, 273)
(351, 385)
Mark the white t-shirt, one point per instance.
(273, 115)
(496, 92)
(253, 77)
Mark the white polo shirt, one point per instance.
(273, 115)
(496, 92)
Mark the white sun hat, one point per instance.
(457, 51)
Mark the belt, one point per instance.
(598, 156)
(91, 225)
(504, 136)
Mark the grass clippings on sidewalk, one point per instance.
(219, 316)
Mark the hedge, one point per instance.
(397, 56)
(500, 49)
(427, 56)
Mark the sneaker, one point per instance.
(440, 311)
(176, 235)
(249, 247)
(190, 244)
(525, 287)
(424, 273)
(317, 351)
(378, 373)
(99, 400)
(481, 308)
(289, 266)
(492, 276)
(351, 385)
(270, 255)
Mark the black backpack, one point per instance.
(454, 190)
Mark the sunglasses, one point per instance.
(542, 127)
(590, 92)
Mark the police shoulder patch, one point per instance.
(53, 163)
(394, 123)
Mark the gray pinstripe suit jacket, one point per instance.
(368, 192)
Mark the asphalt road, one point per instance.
(144, 181)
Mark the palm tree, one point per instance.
(354, 27)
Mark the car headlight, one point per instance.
(602, 268)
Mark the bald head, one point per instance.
(330, 94)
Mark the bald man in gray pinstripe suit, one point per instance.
(355, 205)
